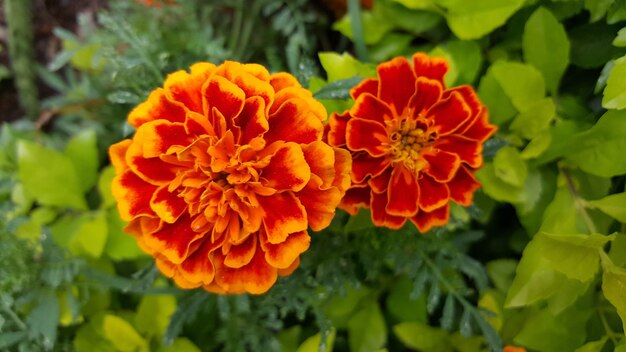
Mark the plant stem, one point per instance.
(236, 29)
(607, 328)
(578, 201)
(15, 318)
(354, 12)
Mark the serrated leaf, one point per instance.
(546, 46)
(447, 316)
(44, 318)
(465, 324)
(82, 149)
(49, 176)
(366, 329)
(613, 205)
(615, 91)
(122, 335)
(474, 19)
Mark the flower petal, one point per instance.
(256, 277)
(156, 137)
(289, 93)
(223, 95)
(250, 83)
(397, 83)
(368, 107)
(463, 186)
(364, 165)
(468, 150)
(282, 80)
(158, 106)
(427, 220)
(282, 255)
(480, 130)
(294, 122)
(449, 114)
(380, 217)
(336, 132)
(283, 214)
(380, 183)
(197, 267)
(168, 206)
(432, 194)
(442, 165)
(430, 67)
(368, 85)
(185, 88)
(117, 154)
(287, 169)
(427, 93)
(174, 241)
(133, 195)
(252, 120)
(321, 159)
(152, 170)
(319, 203)
(366, 135)
(355, 198)
(198, 125)
(403, 193)
(242, 253)
(343, 165)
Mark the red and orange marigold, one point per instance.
(415, 144)
(225, 173)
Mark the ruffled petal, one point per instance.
(366, 135)
(403, 193)
(380, 183)
(287, 169)
(427, 93)
(430, 67)
(250, 83)
(364, 165)
(380, 217)
(252, 121)
(156, 137)
(468, 150)
(321, 159)
(186, 89)
(289, 93)
(242, 253)
(368, 107)
(449, 114)
(256, 277)
(319, 203)
(368, 85)
(463, 186)
(117, 154)
(337, 124)
(480, 130)
(133, 195)
(432, 194)
(294, 123)
(223, 95)
(283, 214)
(282, 80)
(355, 198)
(168, 206)
(442, 165)
(197, 267)
(174, 241)
(157, 107)
(397, 83)
(427, 220)
(282, 255)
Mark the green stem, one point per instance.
(579, 203)
(247, 28)
(607, 328)
(236, 29)
(15, 318)
(354, 12)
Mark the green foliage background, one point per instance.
(538, 261)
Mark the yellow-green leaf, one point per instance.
(366, 329)
(122, 335)
(422, 337)
(613, 205)
(474, 19)
(510, 167)
(522, 83)
(614, 286)
(615, 91)
(82, 149)
(91, 235)
(314, 343)
(536, 118)
(153, 314)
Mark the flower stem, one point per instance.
(579, 203)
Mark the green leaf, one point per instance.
(576, 256)
(593, 346)
(535, 119)
(49, 176)
(119, 245)
(497, 189)
(181, 344)
(422, 337)
(501, 272)
(615, 91)
(8, 339)
(618, 250)
(104, 186)
(522, 83)
(122, 335)
(546, 46)
(90, 236)
(537, 146)
(375, 26)
(596, 150)
(474, 19)
(44, 318)
(501, 108)
(366, 329)
(467, 58)
(339, 89)
(314, 343)
(614, 286)
(402, 306)
(453, 73)
(620, 40)
(412, 21)
(344, 66)
(613, 205)
(153, 314)
(289, 338)
(510, 167)
(598, 8)
(82, 149)
(592, 44)
(417, 4)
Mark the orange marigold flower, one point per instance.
(513, 349)
(415, 144)
(225, 173)
(156, 3)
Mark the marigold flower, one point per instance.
(415, 144)
(225, 173)
(513, 349)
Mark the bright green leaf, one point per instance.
(414, 22)
(82, 149)
(153, 314)
(49, 176)
(122, 335)
(491, 93)
(467, 58)
(104, 186)
(366, 329)
(344, 66)
(593, 346)
(119, 244)
(620, 40)
(91, 235)
(613, 205)
(614, 286)
(510, 167)
(289, 338)
(417, 4)
(181, 344)
(314, 343)
(615, 91)
(598, 8)
(375, 26)
(522, 83)
(422, 337)
(497, 189)
(453, 73)
(539, 144)
(474, 19)
(618, 250)
(533, 120)
(546, 46)
(400, 304)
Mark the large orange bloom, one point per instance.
(225, 173)
(415, 144)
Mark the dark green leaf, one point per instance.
(338, 89)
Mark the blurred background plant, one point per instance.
(537, 261)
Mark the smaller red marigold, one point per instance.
(225, 173)
(415, 144)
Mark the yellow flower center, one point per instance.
(407, 139)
